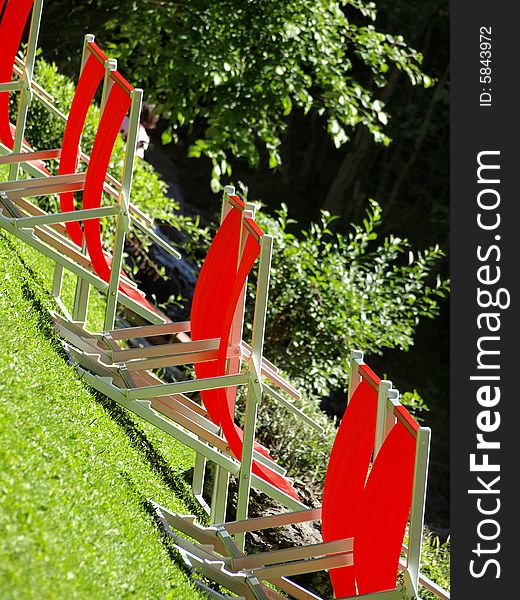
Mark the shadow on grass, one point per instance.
(168, 543)
(175, 481)
(33, 291)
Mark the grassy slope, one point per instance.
(75, 471)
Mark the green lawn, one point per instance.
(75, 470)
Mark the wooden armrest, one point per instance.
(263, 559)
(30, 156)
(281, 383)
(280, 520)
(186, 387)
(270, 372)
(43, 186)
(145, 331)
(165, 350)
(173, 359)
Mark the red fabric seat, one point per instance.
(116, 107)
(14, 18)
(215, 302)
(373, 510)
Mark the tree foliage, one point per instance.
(238, 68)
(331, 293)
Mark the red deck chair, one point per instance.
(14, 15)
(94, 266)
(363, 518)
(217, 351)
(218, 305)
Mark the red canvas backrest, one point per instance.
(386, 506)
(216, 278)
(374, 513)
(89, 81)
(14, 18)
(215, 302)
(343, 491)
(117, 105)
(212, 298)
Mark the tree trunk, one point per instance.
(343, 183)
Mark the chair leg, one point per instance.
(57, 280)
(220, 495)
(244, 483)
(81, 301)
(117, 261)
(411, 574)
(82, 294)
(197, 484)
(20, 128)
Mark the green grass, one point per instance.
(76, 471)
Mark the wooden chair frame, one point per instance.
(124, 375)
(24, 84)
(47, 233)
(216, 554)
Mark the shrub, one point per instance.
(331, 293)
(435, 562)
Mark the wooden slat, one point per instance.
(170, 410)
(254, 561)
(63, 247)
(280, 520)
(145, 331)
(166, 350)
(42, 185)
(36, 211)
(145, 378)
(30, 156)
(176, 360)
(187, 387)
(305, 566)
